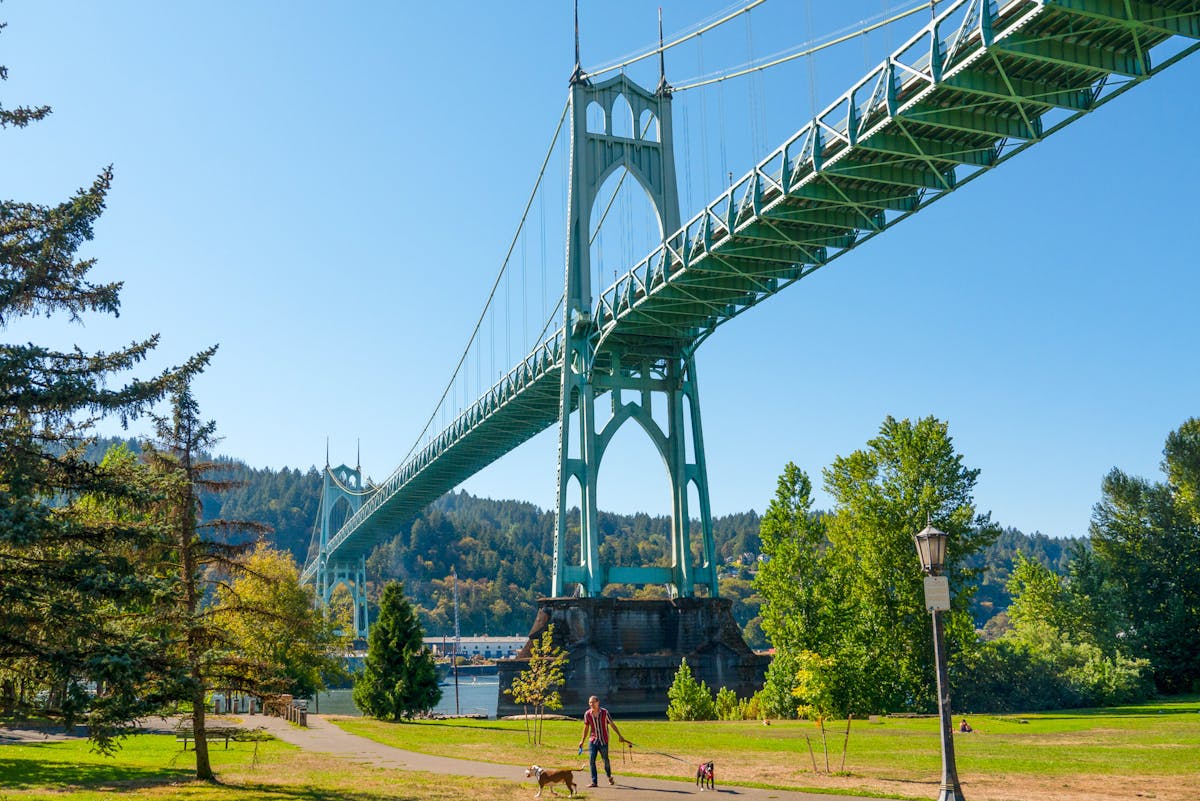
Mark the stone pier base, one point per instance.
(627, 652)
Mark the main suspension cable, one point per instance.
(491, 294)
(806, 52)
(663, 48)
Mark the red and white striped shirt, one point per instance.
(599, 730)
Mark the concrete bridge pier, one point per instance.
(627, 652)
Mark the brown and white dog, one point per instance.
(704, 776)
(545, 777)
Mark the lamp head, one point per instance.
(931, 549)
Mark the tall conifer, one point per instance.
(399, 678)
(66, 579)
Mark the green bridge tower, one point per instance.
(342, 494)
(636, 372)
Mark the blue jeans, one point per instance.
(602, 750)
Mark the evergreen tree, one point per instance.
(198, 556)
(399, 678)
(67, 583)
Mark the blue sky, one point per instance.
(328, 191)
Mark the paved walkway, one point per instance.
(324, 737)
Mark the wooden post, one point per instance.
(846, 742)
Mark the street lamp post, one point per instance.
(931, 548)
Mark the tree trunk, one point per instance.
(203, 766)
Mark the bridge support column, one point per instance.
(634, 389)
(361, 623)
(658, 368)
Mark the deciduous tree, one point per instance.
(798, 597)
(905, 478)
(688, 698)
(1147, 534)
(537, 686)
(272, 623)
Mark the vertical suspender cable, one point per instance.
(524, 300)
(507, 318)
(704, 126)
(721, 114)
(812, 69)
(752, 91)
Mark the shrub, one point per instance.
(776, 699)
(729, 706)
(689, 699)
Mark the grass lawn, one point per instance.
(154, 767)
(1146, 751)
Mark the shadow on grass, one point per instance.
(441, 725)
(44, 775)
(1115, 712)
(285, 793)
(28, 773)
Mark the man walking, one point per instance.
(595, 729)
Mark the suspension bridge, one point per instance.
(978, 84)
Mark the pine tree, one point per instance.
(67, 583)
(399, 678)
(198, 564)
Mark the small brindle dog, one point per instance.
(704, 776)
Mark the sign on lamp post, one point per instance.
(931, 549)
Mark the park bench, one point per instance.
(211, 733)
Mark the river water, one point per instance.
(477, 695)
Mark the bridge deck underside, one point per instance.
(896, 143)
(900, 139)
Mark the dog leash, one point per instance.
(659, 753)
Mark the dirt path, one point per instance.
(323, 737)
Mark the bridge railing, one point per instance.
(543, 358)
(915, 65)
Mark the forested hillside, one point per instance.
(501, 550)
(286, 500)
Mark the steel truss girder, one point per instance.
(804, 237)
(1074, 56)
(972, 122)
(826, 217)
(1021, 90)
(911, 146)
(825, 192)
(891, 174)
(1153, 17)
